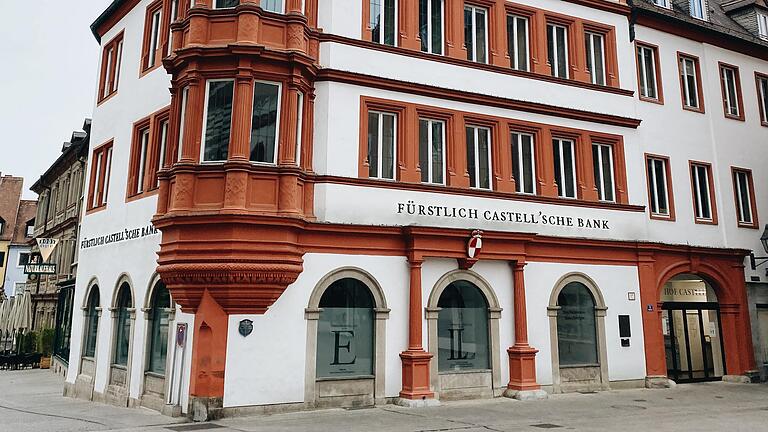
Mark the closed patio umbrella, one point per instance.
(24, 312)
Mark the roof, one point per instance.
(10, 195)
(27, 212)
(108, 16)
(718, 19)
(75, 148)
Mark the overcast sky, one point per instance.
(48, 68)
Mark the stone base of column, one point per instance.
(737, 379)
(659, 382)
(522, 369)
(416, 376)
(526, 395)
(205, 408)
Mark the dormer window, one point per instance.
(662, 3)
(762, 25)
(697, 9)
(2, 226)
(30, 228)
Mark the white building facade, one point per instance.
(352, 203)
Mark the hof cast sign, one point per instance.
(117, 237)
(540, 218)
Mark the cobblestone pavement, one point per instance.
(32, 401)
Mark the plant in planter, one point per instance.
(45, 347)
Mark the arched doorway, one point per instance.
(692, 330)
(346, 341)
(463, 333)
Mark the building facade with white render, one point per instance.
(345, 203)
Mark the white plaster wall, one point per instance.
(136, 98)
(614, 282)
(14, 273)
(683, 135)
(278, 341)
(344, 18)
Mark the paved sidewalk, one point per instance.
(31, 401)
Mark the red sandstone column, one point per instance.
(415, 359)
(209, 356)
(522, 357)
(655, 359)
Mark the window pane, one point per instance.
(375, 20)
(599, 66)
(462, 329)
(484, 155)
(424, 24)
(569, 168)
(437, 26)
(389, 22)
(345, 331)
(437, 152)
(123, 327)
(264, 122)
(424, 146)
(468, 33)
(92, 323)
(228, 3)
(576, 331)
(522, 43)
(373, 144)
(158, 348)
(480, 35)
(388, 147)
(558, 167)
(272, 5)
(516, 162)
(471, 157)
(744, 197)
(562, 46)
(218, 120)
(650, 71)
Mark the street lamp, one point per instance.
(753, 259)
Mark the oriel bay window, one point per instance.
(383, 21)
(382, 136)
(565, 167)
(523, 162)
(602, 162)
(690, 83)
(518, 34)
(659, 187)
(431, 22)
(595, 50)
(217, 120)
(479, 157)
(557, 49)
(264, 121)
(744, 195)
(730, 83)
(273, 5)
(223, 4)
(476, 33)
(703, 193)
(432, 151)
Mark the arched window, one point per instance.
(123, 327)
(345, 330)
(462, 328)
(576, 330)
(160, 306)
(91, 322)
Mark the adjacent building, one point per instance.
(60, 190)
(16, 218)
(348, 203)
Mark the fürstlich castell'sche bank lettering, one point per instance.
(301, 203)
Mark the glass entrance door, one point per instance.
(692, 341)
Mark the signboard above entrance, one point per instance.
(46, 246)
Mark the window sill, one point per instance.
(735, 117)
(95, 209)
(586, 365)
(662, 217)
(106, 98)
(656, 101)
(139, 196)
(753, 225)
(346, 378)
(692, 109)
(705, 221)
(154, 374)
(146, 71)
(464, 371)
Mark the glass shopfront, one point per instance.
(345, 337)
(462, 329)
